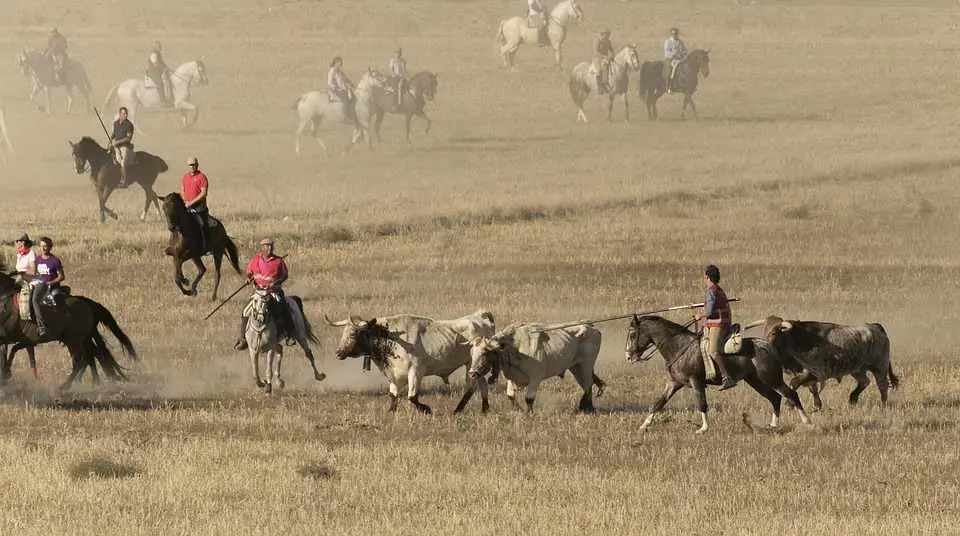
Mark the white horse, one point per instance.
(262, 336)
(515, 30)
(315, 106)
(40, 68)
(134, 92)
(5, 145)
(583, 79)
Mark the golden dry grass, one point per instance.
(821, 178)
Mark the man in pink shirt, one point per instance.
(266, 270)
(194, 193)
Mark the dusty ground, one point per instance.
(821, 177)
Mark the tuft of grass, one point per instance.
(799, 212)
(316, 471)
(101, 467)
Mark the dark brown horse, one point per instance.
(421, 88)
(757, 363)
(73, 323)
(105, 173)
(653, 81)
(186, 242)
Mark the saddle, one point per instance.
(731, 345)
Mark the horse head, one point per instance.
(574, 10)
(175, 210)
(23, 61)
(85, 152)
(633, 57)
(201, 73)
(703, 61)
(638, 340)
(428, 86)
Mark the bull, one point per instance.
(527, 354)
(407, 348)
(818, 351)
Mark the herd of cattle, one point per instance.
(407, 348)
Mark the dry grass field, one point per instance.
(821, 177)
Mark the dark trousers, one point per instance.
(202, 213)
(37, 293)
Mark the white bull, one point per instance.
(527, 354)
(406, 348)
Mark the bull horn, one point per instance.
(752, 325)
(357, 321)
(335, 324)
(786, 325)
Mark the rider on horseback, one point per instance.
(158, 71)
(340, 86)
(122, 141)
(26, 267)
(398, 69)
(49, 275)
(674, 52)
(268, 271)
(603, 54)
(194, 193)
(537, 17)
(57, 52)
(717, 316)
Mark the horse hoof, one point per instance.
(320, 376)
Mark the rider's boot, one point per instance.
(241, 343)
(728, 381)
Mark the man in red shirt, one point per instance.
(269, 271)
(194, 195)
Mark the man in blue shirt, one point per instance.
(122, 141)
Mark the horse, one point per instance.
(73, 322)
(757, 363)
(186, 243)
(422, 87)
(653, 81)
(134, 93)
(6, 146)
(105, 174)
(40, 68)
(514, 31)
(583, 80)
(314, 106)
(262, 335)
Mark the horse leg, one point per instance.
(793, 398)
(146, 201)
(46, 97)
(201, 269)
(626, 107)
(277, 363)
(770, 394)
(671, 389)
(31, 357)
(610, 108)
(426, 118)
(217, 261)
(178, 276)
(377, 124)
(558, 54)
(693, 107)
(255, 362)
(407, 118)
(69, 99)
(700, 390)
(107, 190)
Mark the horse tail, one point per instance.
(101, 352)
(307, 328)
(575, 89)
(105, 317)
(232, 253)
(501, 37)
(110, 96)
(162, 165)
(644, 84)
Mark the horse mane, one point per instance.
(671, 326)
(176, 210)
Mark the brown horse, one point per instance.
(105, 173)
(73, 323)
(421, 88)
(186, 242)
(653, 81)
(757, 363)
